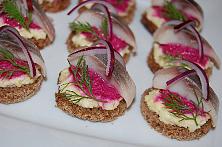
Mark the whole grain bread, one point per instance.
(91, 114)
(155, 66)
(128, 18)
(11, 95)
(55, 6)
(169, 130)
(41, 43)
(72, 47)
(149, 25)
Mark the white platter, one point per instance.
(37, 122)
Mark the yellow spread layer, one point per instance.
(169, 118)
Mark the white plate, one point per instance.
(37, 122)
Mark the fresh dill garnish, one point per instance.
(178, 108)
(82, 80)
(168, 58)
(104, 27)
(5, 55)
(172, 12)
(79, 27)
(13, 12)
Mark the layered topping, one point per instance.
(176, 110)
(27, 18)
(15, 48)
(99, 74)
(163, 11)
(165, 54)
(121, 6)
(101, 26)
(87, 35)
(192, 85)
(182, 40)
(14, 72)
(89, 91)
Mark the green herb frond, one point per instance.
(81, 27)
(13, 12)
(172, 12)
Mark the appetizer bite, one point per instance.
(90, 26)
(22, 68)
(180, 104)
(29, 20)
(54, 5)
(162, 11)
(176, 40)
(96, 85)
(125, 9)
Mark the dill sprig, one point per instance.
(80, 27)
(172, 12)
(180, 109)
(13, 12)
(6, 55)
(82, 81)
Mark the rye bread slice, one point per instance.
(155, 66)
(11, 95)
(148, 24)
(41, 43)
(128, 18)
(90, 114)
(72, 47)
(55, 6)
(171, 131)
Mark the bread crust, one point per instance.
(72, 47)
(168, 130)
(126, 18)
(41, 43)
(11, 95)
(90, 114)
(148, 24)
(55, 6)
(155, 66)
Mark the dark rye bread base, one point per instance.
(155, 66)
(90, 114)
(41, 43)
(128, 18)
(168, 130)
(72, 47)
(11, 95)
(149, 25)
(55, 6)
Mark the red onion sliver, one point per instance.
(84, 3)
(110, 56)
(105, 10)
(190, 26)
(180, 77)
(19, 40)
(29, 5)
(201, 74)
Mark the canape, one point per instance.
(176, 40)
(21, 67)
(125, 8)
(181, 104)
(30, 21)
(96, 85)
(90, 26)
(162, 11)
(54, 5)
